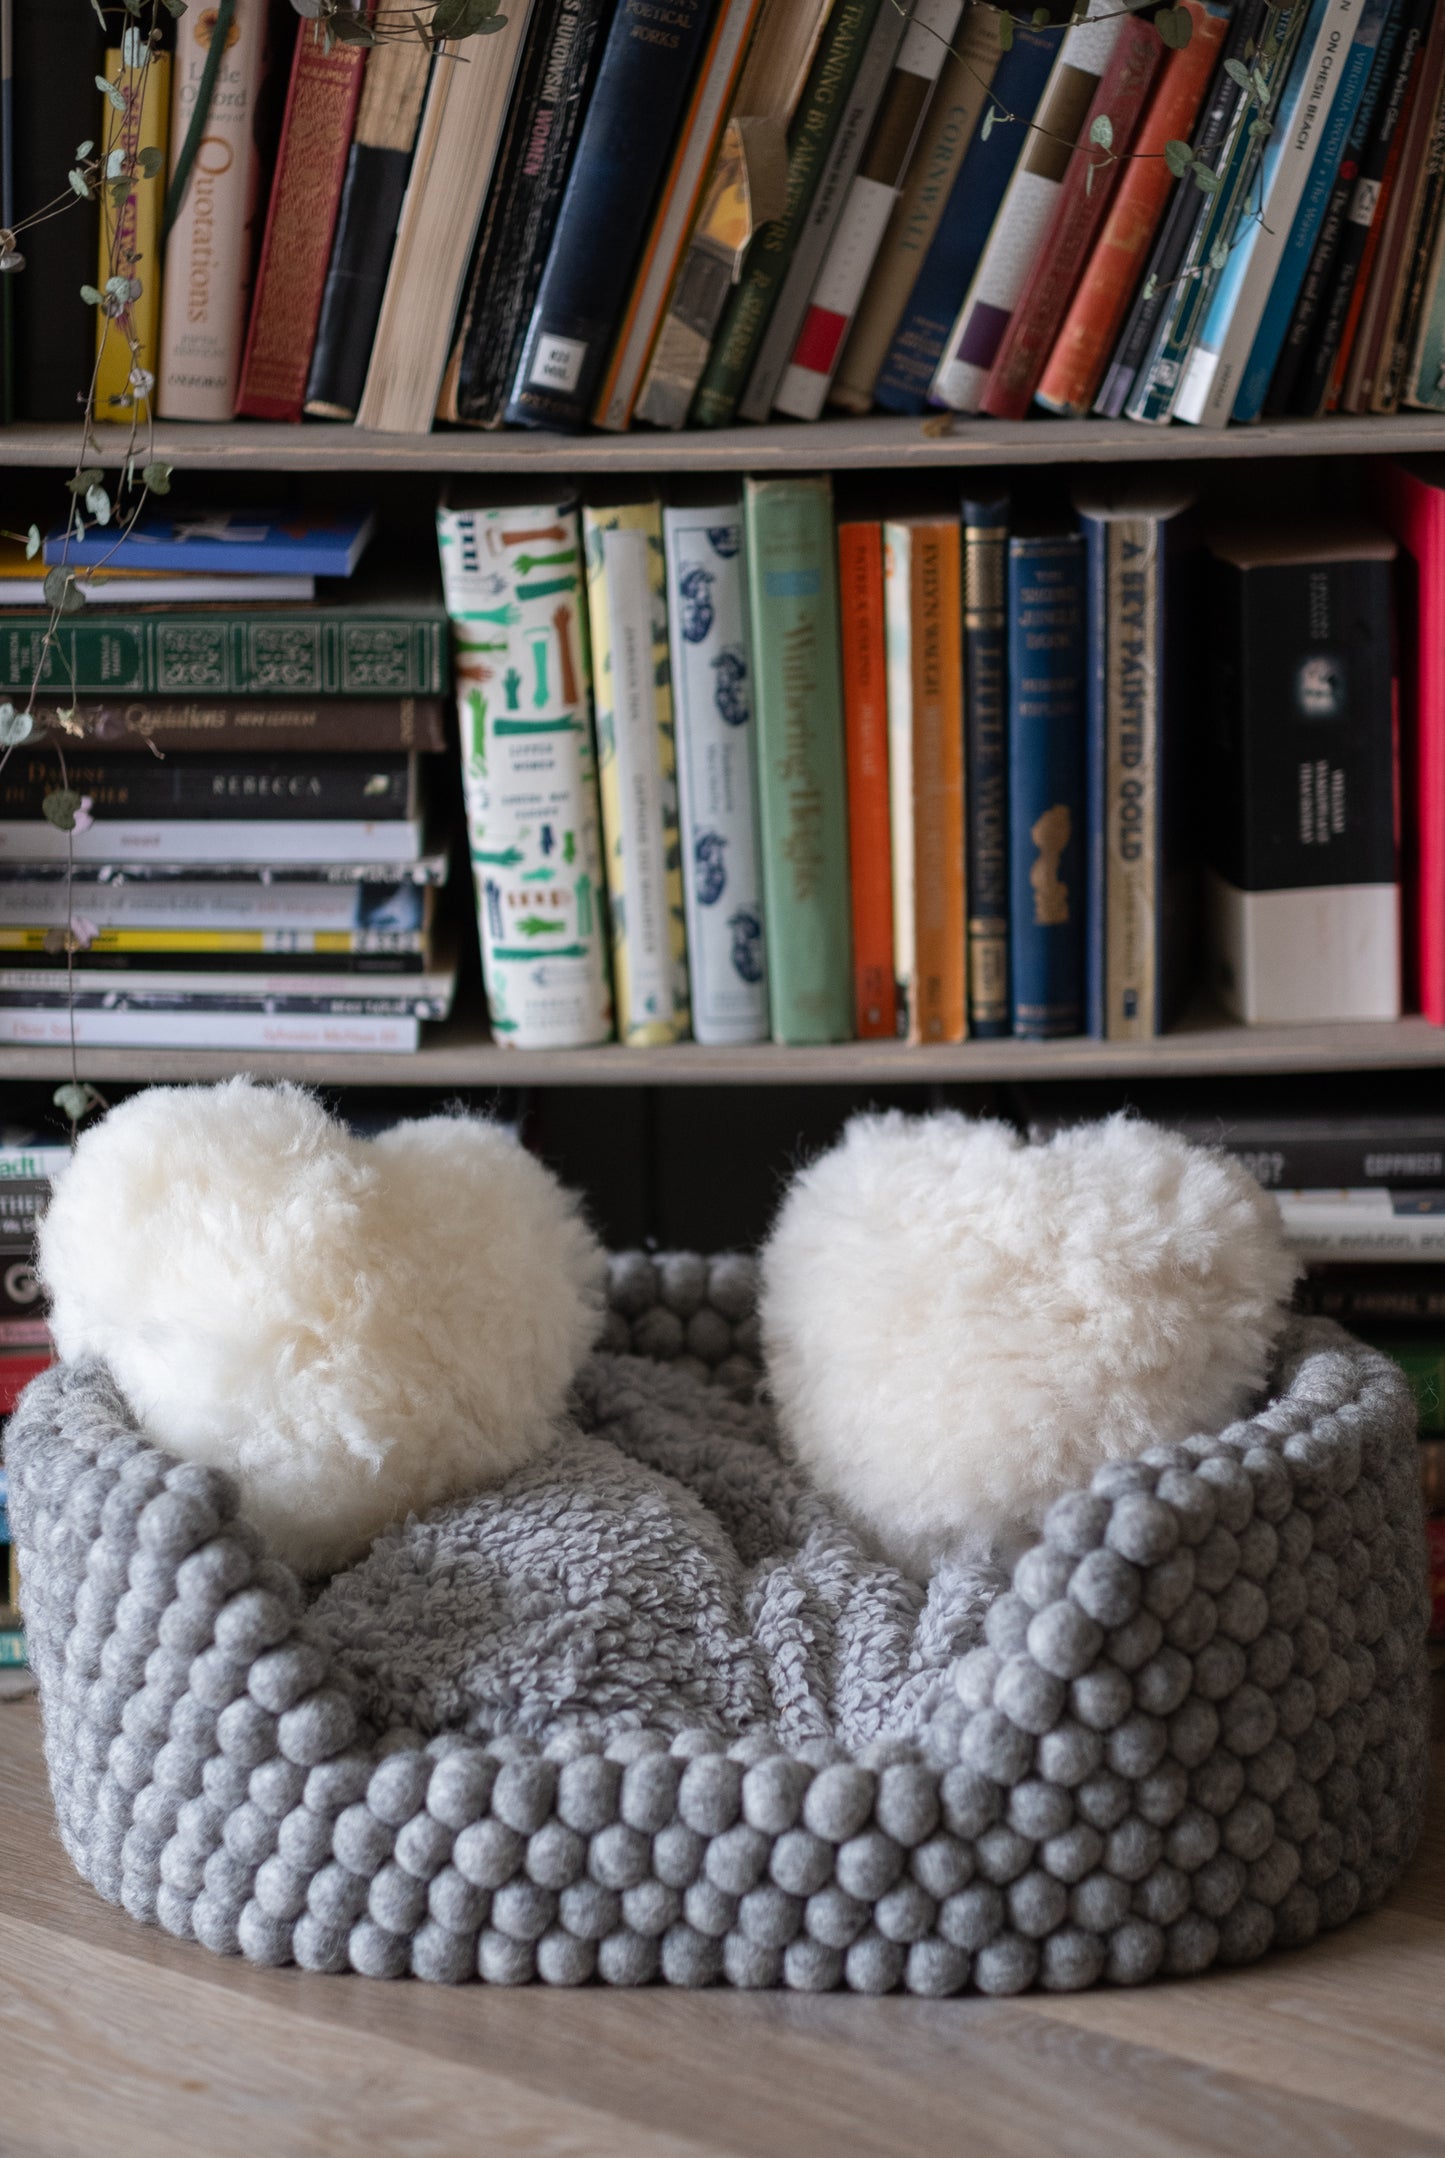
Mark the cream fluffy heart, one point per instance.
(960, 1326)
(353, 1329)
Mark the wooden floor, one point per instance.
(116, 2040)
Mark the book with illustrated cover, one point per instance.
(243, 916)
(713, 698)
(637, 762)
(516, 590)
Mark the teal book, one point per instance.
(793, 618)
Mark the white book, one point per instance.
(225, 1031)
(282, 917)
(898, 636)
(829, 198)
(196, 984)
(876, 187)
(712, 697)
(150, 590)
(456, 147)
(1027, 207)
(1362, 1226)
(1215, 366)
(515, 587)
(251, 840)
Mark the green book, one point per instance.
(750, 308)
(380, 645)
(798, 690)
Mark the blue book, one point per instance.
(1289, 277)
(646, 71)
(1047, 832)
(281, 543)
(985, 705)
(1142, 733)
(967, 220)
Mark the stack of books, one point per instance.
(925, 777)
(775, 206)
(239, 730)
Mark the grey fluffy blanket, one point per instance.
(663, 1566)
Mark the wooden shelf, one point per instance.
(875, 443)
(462, 1055)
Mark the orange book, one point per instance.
(865, 717)
(1091, 327)
(939, 1006)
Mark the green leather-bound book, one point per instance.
(793, 609)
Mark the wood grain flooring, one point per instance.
(116, 2039)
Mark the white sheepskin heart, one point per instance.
(960, 1326)
(353, 1328)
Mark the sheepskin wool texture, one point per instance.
(960, 1325)
(354, 1329)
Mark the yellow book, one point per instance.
(637, 770)
(130, 236)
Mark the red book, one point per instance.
(1089, 184)
(865, 718)
(1084, 344)
(1411, 502)
(300, 222)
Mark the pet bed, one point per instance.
(652, 1711)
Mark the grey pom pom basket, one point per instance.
(1198, 1730)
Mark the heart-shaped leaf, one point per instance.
(62, 808)
(60, 592)
(157, 478)
(15, 727)
(1101, 131)
(75, 1100)
(1177, 156)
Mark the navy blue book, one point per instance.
(967, 220)
(1047, 837)
(622, 153)
(1142, 731)
(985, 704)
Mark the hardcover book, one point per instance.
(636, 751)
(245, 916)
(614, 181)
(309, 543)
(1396, 1151)
(515, 586)
(898, 652)
(865, 712)
(713, 698)
(793, 612)
(363, 724)
(130, 234)
(1400, 340)
(255, 842)
(238, 1032)
(1410, 500)
(305, 196)
(1047, 833)
(193, 784)
(985, 704)
(1303, 887)
(206, 281)
(51, 332)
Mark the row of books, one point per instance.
(236, 871)
(1233, 213)
(928, 776)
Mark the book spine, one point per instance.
(318, 1034)
(865, 717)
(830, 197)
(52, 109)
(1013, 245)
(793, 611)
(1368, 196)
(1046, 785)
(820, 115)
(985, 704)
(1075, 367)
(898, 667)
(1419, 255)
(189, 786)
(936, 652)
(1286, 1160)
(677, 211)
(1376, 1296)
(627, 604)
(1130, 635)
(1157, 381)
(251, 654)
(953, 116)
(1413, 510)
(522, 209)
(113, 992)
(614, 179)
(713, 694)
(1334, 225)
(1311, 218)
(362, 724)
(377, 165)
(1382, 291)
(334, 945)
(965, 222)
(243, 917)
(130, 235)
(1096, 773)
(1426, 386)
(1320, 1233)
(1185, 214)
(866, 214)
(207, 275)
(310, 169)
(1083, 203)
(258, 842)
